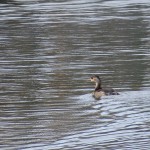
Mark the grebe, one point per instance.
(99, 91)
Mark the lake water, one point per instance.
(49, 50)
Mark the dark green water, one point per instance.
(48, 50)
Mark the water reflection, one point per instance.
(49, 50)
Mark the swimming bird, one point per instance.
(99, 91)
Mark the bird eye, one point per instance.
(91, 77)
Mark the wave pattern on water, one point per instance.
(48, 52)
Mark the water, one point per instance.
(49, 50)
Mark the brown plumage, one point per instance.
(99, 91)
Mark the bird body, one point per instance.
(99, 91)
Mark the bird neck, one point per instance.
(98, 86)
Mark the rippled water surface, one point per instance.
(49, 50)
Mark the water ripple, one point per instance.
(48, 52)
